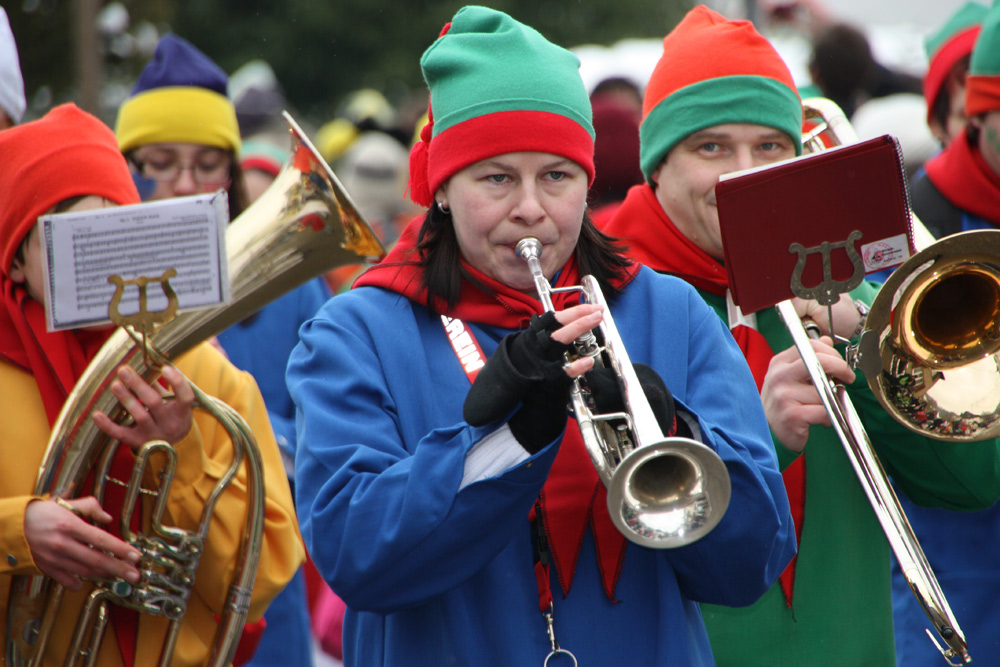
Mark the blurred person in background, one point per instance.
(949, 50)
(960, 189)
(12, 102)
(180, 134)
(620, 91)
(617, 108)
(374, 170)
(844, 69)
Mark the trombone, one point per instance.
(876, 357)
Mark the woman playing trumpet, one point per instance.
(447, 538)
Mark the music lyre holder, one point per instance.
(145, 321)
(827, 292)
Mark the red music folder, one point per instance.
(849, 204)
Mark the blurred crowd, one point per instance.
(367, 142)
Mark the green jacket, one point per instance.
(842, 608)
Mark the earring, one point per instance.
(443, 208)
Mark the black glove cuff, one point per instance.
(522, 361)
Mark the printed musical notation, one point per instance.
(89, 254)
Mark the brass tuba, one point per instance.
(662, 492)
(302, 226)
(908, 314)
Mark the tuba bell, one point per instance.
(302, 226)
(662, 492)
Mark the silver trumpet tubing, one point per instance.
(662, 492)
(880, 367)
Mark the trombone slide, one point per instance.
(891, 517)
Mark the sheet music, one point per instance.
(83, 249)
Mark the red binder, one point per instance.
(776, 219)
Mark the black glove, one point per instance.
(607, 396)
(528, 368)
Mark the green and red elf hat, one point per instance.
(497, 86)
(714, 71)
(982, 85)
(947, 46)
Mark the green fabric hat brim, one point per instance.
(731, 99)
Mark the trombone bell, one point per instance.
(931, 352)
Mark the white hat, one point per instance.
(11, 84)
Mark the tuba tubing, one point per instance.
(858, 446)
(662, 492)
(303, 225)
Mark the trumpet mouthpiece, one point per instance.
(528, 248)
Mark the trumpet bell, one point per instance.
(932, 350)
(668, 494)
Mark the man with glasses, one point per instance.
(180, 135)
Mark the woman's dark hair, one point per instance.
(238, 198)
(596, 254)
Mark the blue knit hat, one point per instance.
(180, 97)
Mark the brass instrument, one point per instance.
(903, 312)
(662, 492)
(302, 226)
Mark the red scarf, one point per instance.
(56, 359)
(655, 241)
(573, 496)
(964, 178)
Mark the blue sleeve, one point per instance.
(310, 297)
(745, 554)
(378, 487)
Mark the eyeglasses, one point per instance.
(212, 168)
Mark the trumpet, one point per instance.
(662, 492)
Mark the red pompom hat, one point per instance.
(497, 86)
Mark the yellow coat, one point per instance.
(203, 455)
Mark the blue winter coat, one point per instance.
(436, 572)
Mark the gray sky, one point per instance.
(924, 13)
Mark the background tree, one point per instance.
(320, 51)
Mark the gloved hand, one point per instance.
(528, 368)
(607, 395)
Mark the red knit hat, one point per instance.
(947, 46)
(67, 153)
(982, 85)
(497, 86)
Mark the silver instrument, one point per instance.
(877, 367)
(662, 492)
